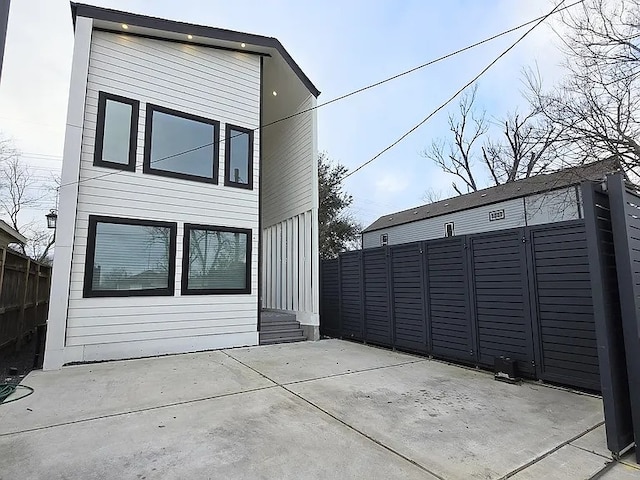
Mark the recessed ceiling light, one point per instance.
(125, 26)
(190, 37)
(243, 44)
(275, 94)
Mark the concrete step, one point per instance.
(282, 340)
(266, 317)
(279, 326)
(293, 332)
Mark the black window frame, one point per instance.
(185, 261)
(148, 126)
(384, 239)
(89, 292)
(133, 133)
(227, 157)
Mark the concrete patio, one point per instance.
(328, 409)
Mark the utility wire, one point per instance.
(537, 21)
(458, 92)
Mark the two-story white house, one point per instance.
(189, 199)
(547, 198)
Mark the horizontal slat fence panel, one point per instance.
(410, 327)
(501, 293)
(448, 299)
(330, 298)
(522, 293)
(376, 297)
(565, 306)
(351, 297)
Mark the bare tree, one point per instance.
(457, 156)
(19, 191)
(431, 195)
(527, 145)
(598, 102)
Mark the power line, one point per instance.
(458, 92)
(354, 92)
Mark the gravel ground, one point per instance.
(22, 360)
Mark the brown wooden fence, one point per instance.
(24, 296)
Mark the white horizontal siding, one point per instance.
(216, 84)
(474, 220)
(288, 162)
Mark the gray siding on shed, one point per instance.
(556, 206)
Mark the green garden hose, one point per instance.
(7, 389)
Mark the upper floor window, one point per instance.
(448, 229)
(181, 145)
(238, 157)
(384, 239)
(116, 132)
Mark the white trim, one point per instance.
(68, 201)
(296, 263)
(315, 244)
(162, 346)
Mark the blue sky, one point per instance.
(341, 46)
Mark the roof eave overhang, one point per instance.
(160, 24)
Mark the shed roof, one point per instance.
(261, 43)
(12, 233)
(508, 191)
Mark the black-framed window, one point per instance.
(181, 145)
(116, 132)
(238, 157)
(216, 260)
(384, 239)
(129, 257)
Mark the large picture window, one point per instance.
(238, 157)
(216, 260)
(116, 132)
(128, 257)
(181, 145)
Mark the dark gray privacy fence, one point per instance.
(524, 293)
(612, 216)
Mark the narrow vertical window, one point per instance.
(116, 132)
(384, 239)
(448, 229)
(238, 157)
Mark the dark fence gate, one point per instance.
(523, 293)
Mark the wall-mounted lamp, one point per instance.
(52, 218)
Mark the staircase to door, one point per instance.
(277, 327)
